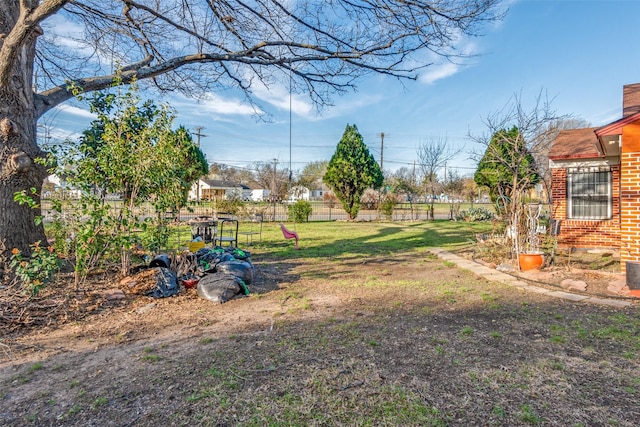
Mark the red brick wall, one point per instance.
(580, 233)
(630, 218)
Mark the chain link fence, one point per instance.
(279, 211)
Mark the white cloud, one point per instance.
(278, 96)
(438, 72)
(442, 68)
(75, 111)
(213, 104)
(67, 33)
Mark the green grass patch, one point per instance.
(466, 331)
(99, 401)
(149, 356)
(357, 239)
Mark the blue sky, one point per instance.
(580, 53)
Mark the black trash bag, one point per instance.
(209, 251)
(241, 269)
(166, 284)
(208, 258)
(161, 260)
(221, 287)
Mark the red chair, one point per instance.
(288, 234)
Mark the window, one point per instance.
(589, 193)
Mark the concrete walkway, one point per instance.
(507, 279)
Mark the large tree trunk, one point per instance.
(19, 169)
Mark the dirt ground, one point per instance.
(590, 272)
(402, 340)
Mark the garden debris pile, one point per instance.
(221, 274)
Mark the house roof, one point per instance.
(575, 144)
(615, 128)
(216, 183)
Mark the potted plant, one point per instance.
(531, 257)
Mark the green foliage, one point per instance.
(129, 151)
(475, 214)
(351, 170)
(22, 198)
(300, 211)
(37, 271)
(312, 173)
(387, 205)
(507, 162)
(231, 205)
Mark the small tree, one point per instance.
(130, 150)
(312, 174)
(469, 189)
(404, 181)
(433, 155)
(454, 187)
(351, 170)
(508, 167)
(268, 175)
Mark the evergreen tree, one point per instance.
(507, 164)
(351, 170)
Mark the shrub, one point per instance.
(300, 211)
(37, 271)
(330, 200)
(387, 206)
(369, 199)
(232, 205)
(475, 214)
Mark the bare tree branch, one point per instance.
(328, 45)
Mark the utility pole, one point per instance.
(290, 130)
(198, 133)
(273, 196)
(381, 168)
(445, 173)
(381, 150)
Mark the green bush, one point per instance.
(475, 214)
(35, 271)
(231, 205)
(300, 211)
(387, 206)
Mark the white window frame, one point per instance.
(571, 175)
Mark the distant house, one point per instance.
(596, 183)
(299, 193)
(59, 185)
(210, 189)
(318, 191)
(259, 195)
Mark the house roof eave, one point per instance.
(574, 157)
(615, 128)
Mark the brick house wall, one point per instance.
(617, 142)
(580, 233)
(630, 199)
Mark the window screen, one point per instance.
(589, 193)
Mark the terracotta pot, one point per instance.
(530, 261)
